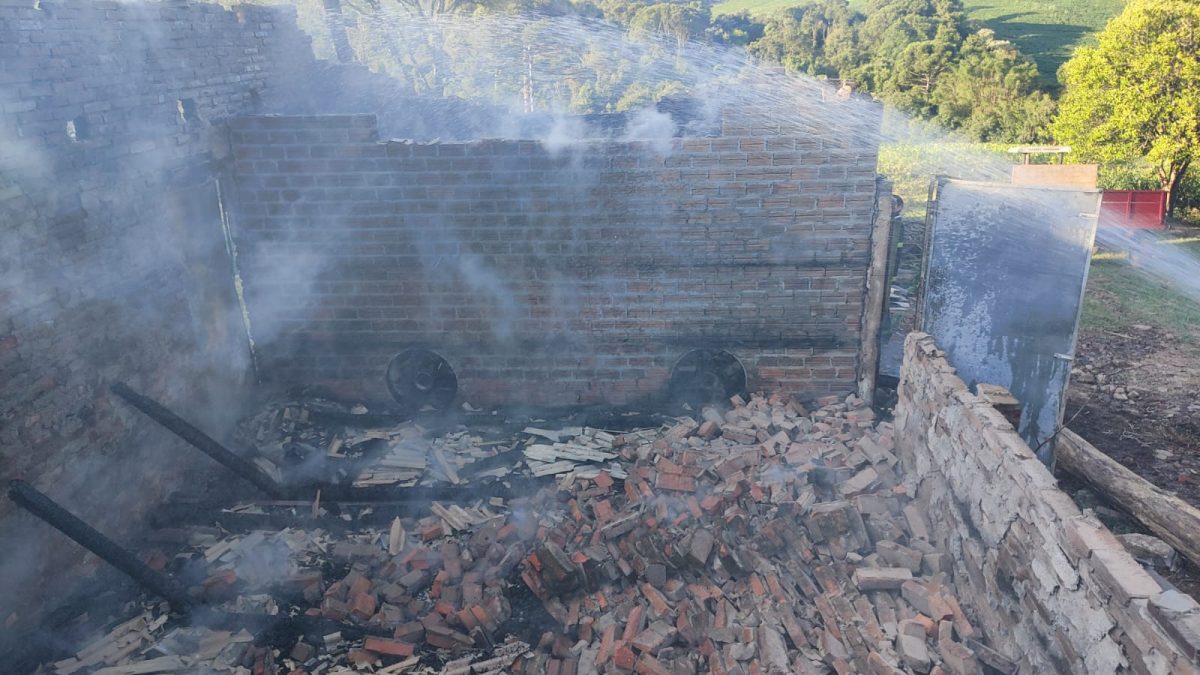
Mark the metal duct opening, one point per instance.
(421, 379)
(705, 376)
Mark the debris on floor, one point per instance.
(766, 538)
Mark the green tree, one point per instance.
(991, 93)
(636, 95)
(411, 51)
(680, 22)
(911, 44)
(620, 12)
(816, 39)
(1136, 94)
(734, 29)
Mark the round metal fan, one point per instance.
(704, 376)
(419, 378)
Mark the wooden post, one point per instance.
(877, 291)
(1167, 516)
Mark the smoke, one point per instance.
(109, 290)
(485, 281)
(282, 286)
(261, 560)
(654, 127)
(1157, 257)
(565, 133)
(111, 269)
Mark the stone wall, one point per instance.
(547, 275)
(1052, 587)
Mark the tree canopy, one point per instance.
(1135, 96)
(922, 57)
(680, 22)
(816, 39)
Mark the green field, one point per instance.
(911, 167)
(759, 8)
(1047, 30)
(1121, 295)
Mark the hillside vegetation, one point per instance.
(1046, 30)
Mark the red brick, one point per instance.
(607, 640)
(648, 665)
(633, 623)
(623, 656)
(603, 510)
(362, 658)
(676, 482)
(388, 647)
(363, 606)
(431, 532)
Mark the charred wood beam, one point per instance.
(280, 515)
(344, 494)
(330, 492)
(505, 458)
(282, 631)
(403, 502)
(200, 440)
(363, 421)
(28, 498)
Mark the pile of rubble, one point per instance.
(766, 538)
(761, 540)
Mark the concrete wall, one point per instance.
(1052, 588)
(545, 275)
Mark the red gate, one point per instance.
(1135, 209)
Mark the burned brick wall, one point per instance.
(555, 274)
(113, 261)
(1051, 587)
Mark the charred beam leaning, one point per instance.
(200, 440)
(330, 492)
(417, 495)
(28, 498)
(385, 502)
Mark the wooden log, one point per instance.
(1167, 516)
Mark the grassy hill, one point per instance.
(1047, 30)
(758, 8)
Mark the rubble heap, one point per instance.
(766, 538)
(761, 540)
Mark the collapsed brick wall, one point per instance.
(1052, 587)
(555, 275)
(114, 264)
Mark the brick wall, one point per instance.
(113, 259)
(1079, 176)
(1053, 588)
(114, 149)
(555, 275)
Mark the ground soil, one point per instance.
(1134, 396)
(1156, 430)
